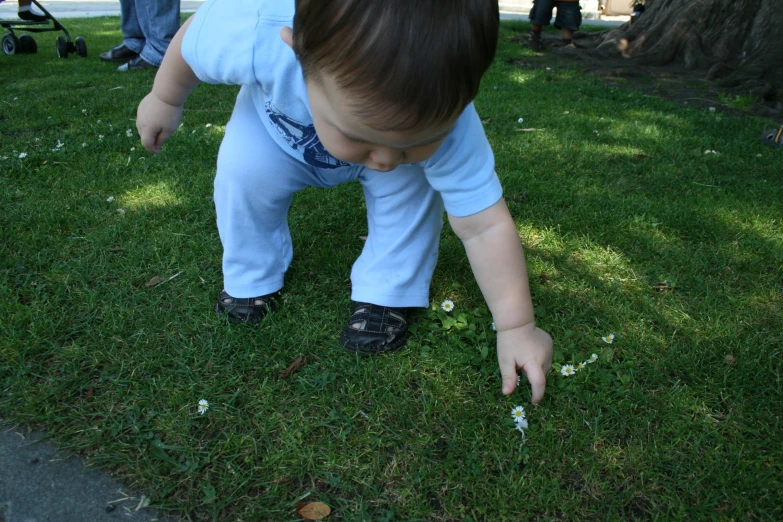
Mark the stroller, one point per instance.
(25, 44)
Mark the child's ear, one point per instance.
(287, 35)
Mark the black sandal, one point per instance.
(374, 329)
(244, 309)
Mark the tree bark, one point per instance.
(734, 41)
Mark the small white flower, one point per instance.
(447, 305)
(581, 366)
(609, 339)
(567, 370)
(566, 112)
(495, 328)
(710, 152)
(84, 111)
(712, 109)
(100, 136)
(84, 145)
(110, 199)
(203, 406)
(121, 211)
(596, 133)
(22, 155)
(129, 133)
(593, 358)
(133, 148)
(99, 121)
(208, 125)
(520, 120)
(759, 155)
(60, 144)
(518, 413)
(548, 68)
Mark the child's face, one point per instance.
(348, 139)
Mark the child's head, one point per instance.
(395, 74)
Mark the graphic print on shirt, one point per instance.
(303, 138)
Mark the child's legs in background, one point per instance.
(254, 185)
(405, 218)
(541, 14)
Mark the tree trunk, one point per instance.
(735, 41)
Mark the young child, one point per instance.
(373, 90)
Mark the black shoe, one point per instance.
(29, 16)
(535, 40)
(119, 53)
(375, 329)
(136, 64)
(244, 310)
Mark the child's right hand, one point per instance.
(156, 121)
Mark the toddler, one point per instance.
(377, 91)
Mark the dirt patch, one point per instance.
(671, 82)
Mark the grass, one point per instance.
(629, 228)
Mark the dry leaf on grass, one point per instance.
(314, 511)
(298, 363)
(730, 359)
(154, 281)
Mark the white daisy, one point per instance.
(580, 366)
(520, 120)
(593, 358)
(22, 155)
(447, 305)
(203, 406)
(129, 133)
(110, 199)
(568, 370)
(518, 413)
(609, 339)
(208, 125)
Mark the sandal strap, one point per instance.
(370, 318)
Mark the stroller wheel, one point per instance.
(11, 45)
(61, 47)
(28, 44)
(81, 47)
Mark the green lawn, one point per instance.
(629, 227)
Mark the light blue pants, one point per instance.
(254, 188)
(148, 26)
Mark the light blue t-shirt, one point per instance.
(237, 42)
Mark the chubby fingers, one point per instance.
(151, 140)
(508, 372)
(537, 378)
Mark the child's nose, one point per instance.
(386, 156)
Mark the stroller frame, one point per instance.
(25, 44)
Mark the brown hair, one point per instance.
(404, 63)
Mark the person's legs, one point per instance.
(540, 16)
(405, 218)
(159, 21)
(394, 271)
(254, 186)
(568, 20)
(132, 37)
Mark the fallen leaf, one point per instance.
(154, 281)
(314, 511)
(298, 363)
(730, 359)
(90, 392)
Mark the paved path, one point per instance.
(39, 484)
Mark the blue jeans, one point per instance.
(148, 26)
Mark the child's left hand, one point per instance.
(530, 349)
